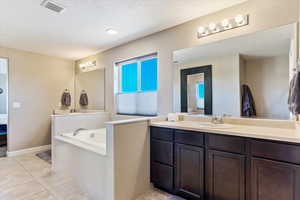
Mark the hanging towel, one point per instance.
(248, 104)
(66, 98)
(294, 94)
(84, 100)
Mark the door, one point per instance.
(225, 176)
(189, 178)
(273, 180)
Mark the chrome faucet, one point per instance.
(217, 120)
(76, 132)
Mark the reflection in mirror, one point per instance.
(90, 90)
(196, 95)
(250, 75)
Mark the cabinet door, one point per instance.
(273, 180)
(189, 171)
(162, 176)
(225, 176)
(162, 151)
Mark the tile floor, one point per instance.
(27, 177)
(3, 150)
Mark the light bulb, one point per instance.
(201, 30)
(239, 19)
(226, 24)
(212, 26)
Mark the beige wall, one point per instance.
(131, 160)
(267, 15)
(268, 79)
(36, 81)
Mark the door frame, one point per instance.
(207, 70)
(7, 105)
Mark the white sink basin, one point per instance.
(215, 126)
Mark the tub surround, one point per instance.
(120, 172)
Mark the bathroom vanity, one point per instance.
(225, 164)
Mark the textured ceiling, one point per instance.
(80, 30)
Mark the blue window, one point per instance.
(129, 77)
(201, 90)
(149, 75)
(136, 93)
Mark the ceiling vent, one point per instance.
(53, 6)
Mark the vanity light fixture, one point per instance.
(226, 24)
(88, 66)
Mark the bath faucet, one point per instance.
(78, 130)
(217, 120)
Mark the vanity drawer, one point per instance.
(162, 133)
(226, 143)
(189, 137)
(277, 151)
(162, 151)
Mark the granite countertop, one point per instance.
(260, 132)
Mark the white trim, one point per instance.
(29, 150)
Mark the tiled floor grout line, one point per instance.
(38, 181)
(20, 184)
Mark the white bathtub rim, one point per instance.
(81, 145)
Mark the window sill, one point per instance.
(138, 115)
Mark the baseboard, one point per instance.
(29, 150)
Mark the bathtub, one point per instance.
(111, 163)
(92, 140)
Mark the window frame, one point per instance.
(118, 90)
(138, 60)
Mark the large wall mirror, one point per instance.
(249, 75)
(89, 89)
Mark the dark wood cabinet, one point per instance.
(162, 158)
(162, 176)
(205, 166)
(162, 152)
(189, 171)
(226, 143)
(225, 176)
(273, 180)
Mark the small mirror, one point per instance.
(244, 76)
(89, 89)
